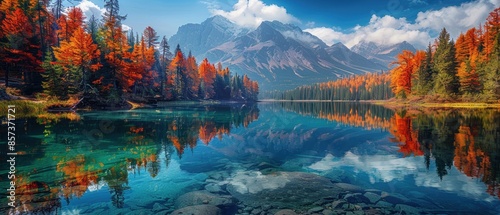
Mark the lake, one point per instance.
(311, 157)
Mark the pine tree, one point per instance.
(446, 81)
(52, 84)
(425, 74)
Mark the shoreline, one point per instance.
(405, 104)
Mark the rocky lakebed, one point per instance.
(263, 189)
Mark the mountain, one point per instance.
(381, 54)
(279, 56)
(199, 38)
(343, 54)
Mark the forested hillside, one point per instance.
(61, 54)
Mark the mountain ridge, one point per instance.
(381, 54)
(279, 56)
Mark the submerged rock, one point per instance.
(198, 210)
(338, 204)
(214, 188)
(407, 209)
(356, 198)
(204, 197)
(315, 210)
(372, 197)
(281, 189)
(286, 212)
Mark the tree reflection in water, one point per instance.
(76, 158)
(468, 139)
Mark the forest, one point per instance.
(60, 54)
(465, 70)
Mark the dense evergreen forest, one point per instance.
(61, 54)
(464, 70)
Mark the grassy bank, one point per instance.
(33, 108)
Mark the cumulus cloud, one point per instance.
(390, 30)
(89, 9)
(250, 13)
(389, 168)
(457, 19)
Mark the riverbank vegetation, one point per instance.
(453, 73)
(60, 53)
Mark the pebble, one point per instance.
(356, 198)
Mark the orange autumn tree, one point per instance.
(175, 78)
(68, 24)
(207, 74)
(78, 55)
(492, 29)
(19, 53)
(401, 76)
(139, 68)
(194, 78)
(467, 53)
(115, 50)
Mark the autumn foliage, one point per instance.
(401, 76)
(100, 61)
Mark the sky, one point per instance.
(349, 22)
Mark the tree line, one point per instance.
(371, 86)
(60, 53)
(466, 69)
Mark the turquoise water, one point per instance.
(258, 159)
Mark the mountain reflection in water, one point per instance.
(81, 163)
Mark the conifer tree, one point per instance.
(446, 81)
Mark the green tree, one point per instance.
(425, 74)
(52, 84)
(446, 82)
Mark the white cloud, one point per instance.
(250, 13)
(89, 9)
(389, 30)
(328, 35)
(126, 27)
(390, 168)
(457, 19)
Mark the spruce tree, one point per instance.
(52, 84)
(446, 81)
(425, 73)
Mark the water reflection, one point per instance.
(66, 156)
(467, 139)
(123, 161)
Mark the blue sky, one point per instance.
(350, 22)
